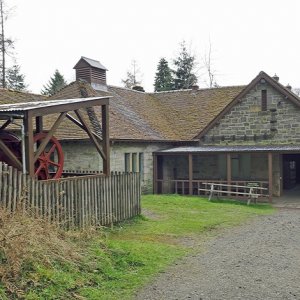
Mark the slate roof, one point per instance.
(9, 96)
(137, 116)
(189, 111)
(164, 116)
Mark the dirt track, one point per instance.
(260, 260)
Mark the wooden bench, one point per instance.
(250, 190)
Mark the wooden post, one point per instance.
(38, 124)
(105, 137)
(154, 173)
(29, 151)
(270, 168)
(190, 174)
(228, 157)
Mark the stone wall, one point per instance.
(247, 124)
(82, 155)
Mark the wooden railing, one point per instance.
(182, 187)
(74, 201)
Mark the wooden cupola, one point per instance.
(91, 71)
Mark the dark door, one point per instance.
(290, 170)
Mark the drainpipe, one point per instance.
(23, 145)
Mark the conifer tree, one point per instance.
(163, 77)
(184, 76)
(56, 83)
(15, 80)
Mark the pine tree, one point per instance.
(56, 83)
(185, 65)
(15, 80)
(163, 77)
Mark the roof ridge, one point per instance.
(127, 89)
(175, 91)
(200, 89)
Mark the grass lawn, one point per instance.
(119, 260)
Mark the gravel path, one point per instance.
(260, 260)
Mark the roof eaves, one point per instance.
(152, 140)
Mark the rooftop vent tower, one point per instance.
(276, 78)
(93, 72)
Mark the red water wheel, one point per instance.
(14, 145)
(50, 162)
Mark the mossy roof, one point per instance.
(164, 116)
(8, 96)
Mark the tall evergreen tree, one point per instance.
(56, 83)
(15, 80)
(184, 76)
(163, 77)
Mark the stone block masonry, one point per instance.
(246, 119)
(82, 156)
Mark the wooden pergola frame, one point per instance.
(30, 111)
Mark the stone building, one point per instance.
(254, 139)
(140, 123)
(178, 139)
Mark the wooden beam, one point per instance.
(66, 106)
(190, 158)
(270, 171)
(38, 124)
(46, 140)
(28, 128)
(90, 134)
(10, 155)
(5, 124)
(229, 169)
(154, 173)
(105, 137)
(76, 122)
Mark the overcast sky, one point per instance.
(246, 37)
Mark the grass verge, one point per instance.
(110, 263)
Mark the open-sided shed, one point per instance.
(37, 146)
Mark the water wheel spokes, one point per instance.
(50, 162)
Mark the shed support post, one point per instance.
(38, 124)
(29, 151)
(228, 158)
(105, 139)
(190, 174)
(270, 171)
(155, 174)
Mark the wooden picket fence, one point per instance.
(73, 201)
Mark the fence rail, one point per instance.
(182, 186)
(73, 201)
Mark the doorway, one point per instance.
(290, 171)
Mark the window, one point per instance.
(134, 162)
(264, 104)
(141, 165)
(127, 162)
